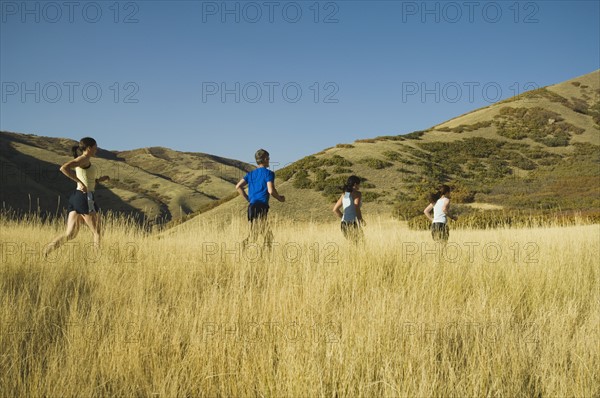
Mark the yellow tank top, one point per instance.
(87, 176)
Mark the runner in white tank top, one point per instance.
(439, 202)
(350, 202)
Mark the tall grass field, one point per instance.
(494, 313)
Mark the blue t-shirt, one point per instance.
(257, 185)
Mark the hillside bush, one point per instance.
(370, 196)
(393, 156)
(366, 141)
(520, 161)
(301, 180)
(538, 124)
(415, 135)
(374, 163)
(470, 127)
(335, 160)
(341, 170)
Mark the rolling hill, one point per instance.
(155, 185)
(538, 151)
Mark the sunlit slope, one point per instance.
(538, 150)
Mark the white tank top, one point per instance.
(349, 208)
(87, 176)
(438, 213)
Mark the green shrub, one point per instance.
(320, 179)
(370, 196)
(462, 194)
(579, 106)
(538, 124)
(375, 163)
(518, 160)
(341, 170)
(415, 135)
(413, 178)
(392, 156)
(471, 127)
(390, 138)
(285, 174)
(542, 157)
(498, 168)
(311, 163)
(554, 141)
(332, 187)
(547, 161)
(407, 210)
(301, 180)
(366, 141)
(335, 160)
(405, 171)
(594, 111)
(587, 149)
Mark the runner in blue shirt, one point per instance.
(261, 185)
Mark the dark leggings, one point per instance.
(352, 230)
(439, 231)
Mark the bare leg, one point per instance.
(259, 228)
(73, 221)
(268, 235)
(93, 221)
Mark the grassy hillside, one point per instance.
(537, 152)
(155, 185)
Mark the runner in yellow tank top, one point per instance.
(82, 206)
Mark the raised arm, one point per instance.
(273, 191)
(446, 210)
(67, 169)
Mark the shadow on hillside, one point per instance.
(31, 185)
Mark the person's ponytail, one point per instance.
(433, 197)
(444, 190)
(350, 183)
(75, 150)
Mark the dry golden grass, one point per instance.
(498, 313)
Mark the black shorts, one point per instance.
(78, 202)
(257, 211)
(439, 231)
(352, 230)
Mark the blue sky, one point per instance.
(293, 77)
